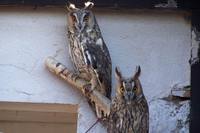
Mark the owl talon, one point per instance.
(75, 76)
(87, 89)
(98, 112)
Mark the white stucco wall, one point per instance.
(158, 42)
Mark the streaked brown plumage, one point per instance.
(129, 110)
(87, 49)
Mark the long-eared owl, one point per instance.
(87, 48)
(129, 109)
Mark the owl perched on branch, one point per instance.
(129, 109)
(87, 49)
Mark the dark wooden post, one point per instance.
(195, 76)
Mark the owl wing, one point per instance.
(145, 114)
(114, 119)
(98, 58)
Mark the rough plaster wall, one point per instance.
(158, 42)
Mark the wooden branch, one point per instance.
(73, 79)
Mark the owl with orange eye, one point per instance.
(88, 51)
(129, 109)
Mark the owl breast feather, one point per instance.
(88, 50)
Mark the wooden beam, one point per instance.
(20, 117)
(143, 4)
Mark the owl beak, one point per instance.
(129, 97)
(79, 26)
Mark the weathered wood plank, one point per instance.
(35, 127)
(38, 112)
(20, 117)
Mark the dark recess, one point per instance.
(195, 80)
(148, 4)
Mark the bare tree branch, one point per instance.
(84, 86)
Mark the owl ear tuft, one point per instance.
(88, 5)
(137, 73)
(71, 6)
(118, 74)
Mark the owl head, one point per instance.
(79, 19)
(128, 89)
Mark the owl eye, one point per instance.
(86, 18)
(122, 88)
(134, 88)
